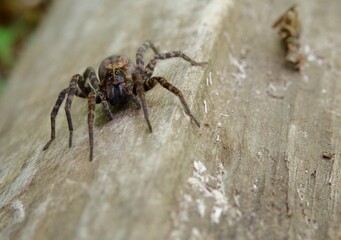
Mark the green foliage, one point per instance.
(11, 37)
(8, 36)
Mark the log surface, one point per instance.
(265, 163)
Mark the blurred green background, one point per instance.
(18, 19)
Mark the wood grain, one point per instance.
(254, 170)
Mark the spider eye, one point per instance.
(117, 72)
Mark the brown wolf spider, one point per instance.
(120, 81)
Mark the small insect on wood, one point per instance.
(119, 81)
(289, 31)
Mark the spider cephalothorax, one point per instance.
(115, 79)
(120, 81)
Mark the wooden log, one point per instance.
(256, 169)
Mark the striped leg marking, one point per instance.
(162, 56)
(54, 113)
(91, 117)
(140, 92)
(164, 83)
(68, 103)
(140, 52)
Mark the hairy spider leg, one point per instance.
(54, 113)
(91, 84)
(56, 107)
(91, 117)
(149, 82)
(163, 56)
(137, 77)
(81, 86)
(71, 93)
(95, 95)
(164, 83)
(140, 52)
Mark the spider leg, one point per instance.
(89, 84)
(164, 83)
(141, 50)
(105, 105)
(74, 91)
(71, 93)
(91, 117)
(162, 56)
(54, 113)
(137, 78)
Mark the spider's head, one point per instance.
(116, 88)
(115, 73)
(116, 77)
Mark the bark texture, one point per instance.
(254, 170)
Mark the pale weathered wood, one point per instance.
(254, 170)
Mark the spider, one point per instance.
(119, 81)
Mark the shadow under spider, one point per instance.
(117, 111)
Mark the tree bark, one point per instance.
(263, 165)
